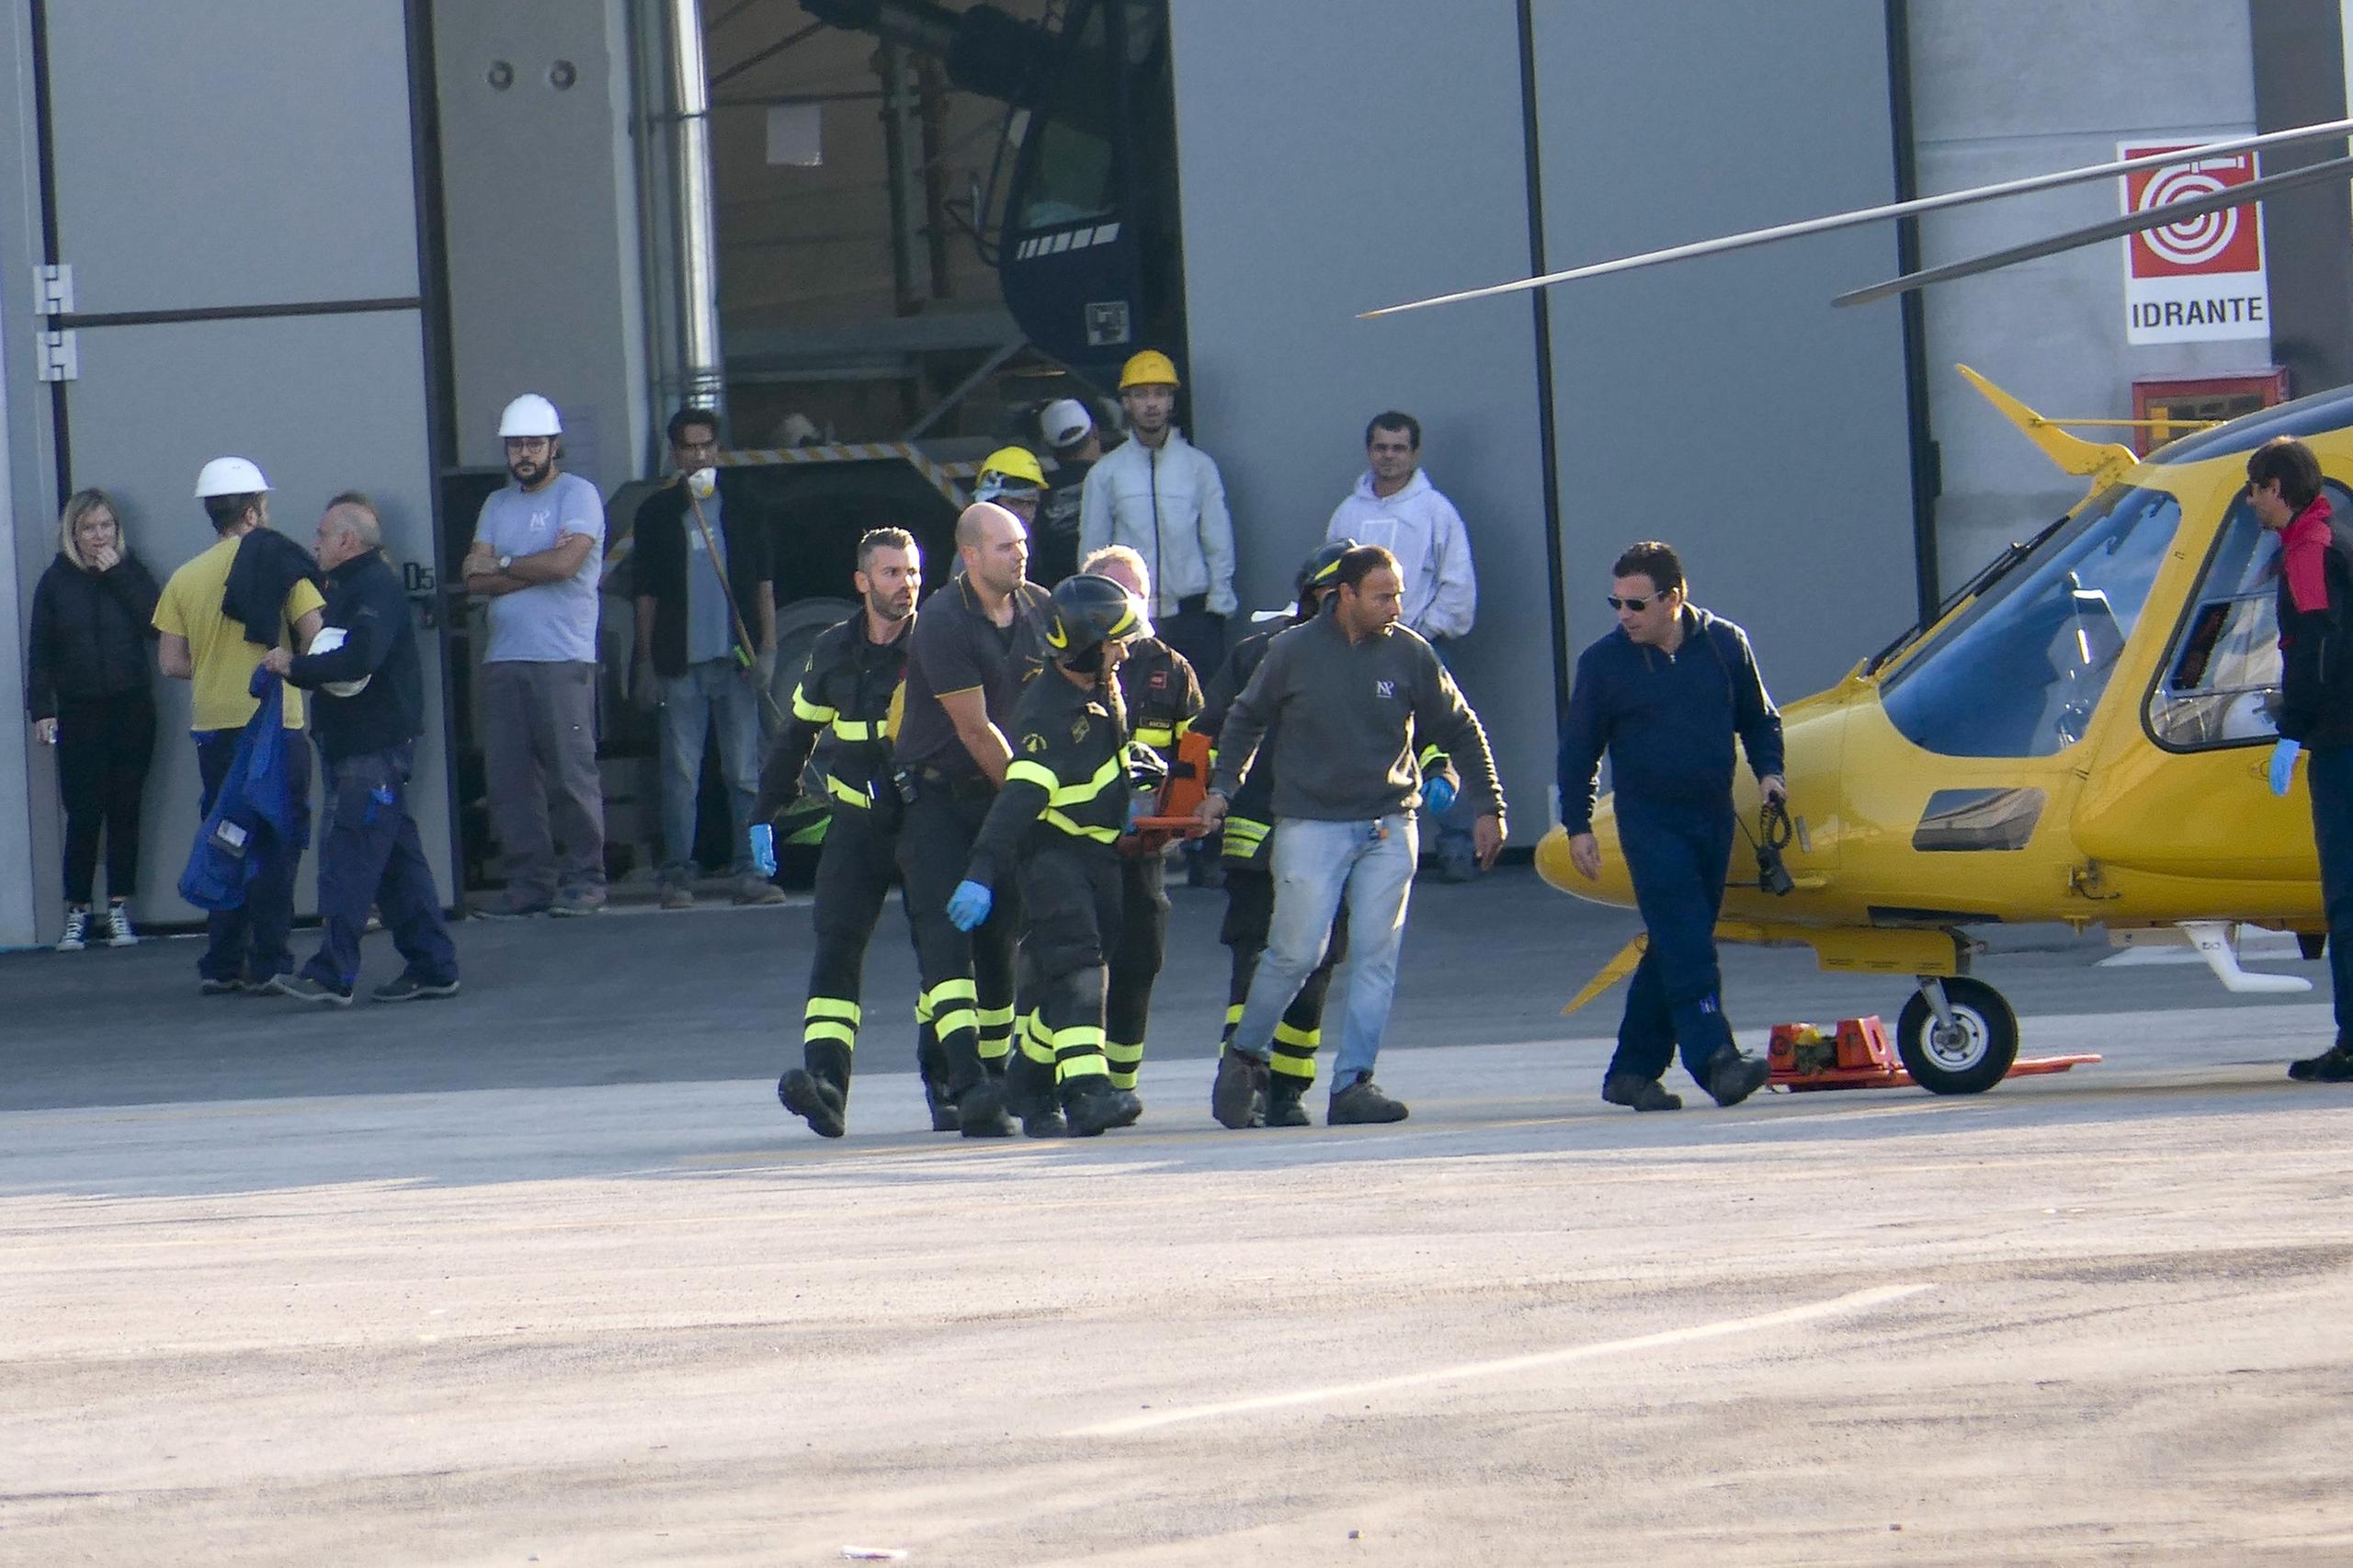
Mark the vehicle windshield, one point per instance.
(2021, 671)
(1072, 179)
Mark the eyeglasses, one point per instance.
(1637, 606)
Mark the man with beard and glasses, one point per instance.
(538, 550)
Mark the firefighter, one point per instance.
(843, 698)
(1055, 826)
(978, 641)
(1163, 696)
(1249, 879)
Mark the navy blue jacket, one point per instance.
(1667, 721)
(365, 597)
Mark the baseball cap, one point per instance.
(1066, 422)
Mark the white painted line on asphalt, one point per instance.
(1857, 1302)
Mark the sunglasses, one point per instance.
(1637, 606)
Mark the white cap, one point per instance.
(529, 414)
(1066, 422)
(230, 476)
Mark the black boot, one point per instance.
(980, 1111)
(1030, 1095)
(1238, 1096)
(1283, 1096)
(2333, 1065)
(932, 1064)
(1732, 1077)
(819, 1092)
(1094, 1106)
(1638, 1093)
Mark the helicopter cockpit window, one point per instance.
(2022, 672)
(2221, 677)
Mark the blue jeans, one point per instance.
(249, 943)
(2330, 779)
(1678, 856)
(710, 692)
(369, 854)
(1316, 864)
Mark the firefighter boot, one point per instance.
(932, 1064)
(1094, 1105)
(1030, 1095)
(819, 1092)
(1283, 1096)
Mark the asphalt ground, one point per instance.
(543, 1274)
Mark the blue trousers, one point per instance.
(249, 942)
(1678, 856)
(2330, 779)
(369, 854)
(711, 692)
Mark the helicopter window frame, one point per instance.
(2037, 606)
(2199, 602)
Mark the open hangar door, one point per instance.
(245, 279)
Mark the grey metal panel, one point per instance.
(2050, 331)
(1324, 172)
(322, 404)
(210, 156)
(1721, 404)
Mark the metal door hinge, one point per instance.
(53, 290)
(61, 356)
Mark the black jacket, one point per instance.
(1067, 783)
(90, 633)
(843, 698)
(365, 598)
(2316, 630)
(267, 566)
(1667, 720)
(659, 556)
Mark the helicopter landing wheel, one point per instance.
(1969, 1054)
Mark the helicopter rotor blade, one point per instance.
(2288, 137)
(2131, 223)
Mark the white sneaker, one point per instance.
(117, 929)
(77, 931)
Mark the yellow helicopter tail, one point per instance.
(2098, 460)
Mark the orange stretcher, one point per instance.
(1859, 1055)
(1180, 797)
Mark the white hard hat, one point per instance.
(1066, 422)
(230, 476)
(529, 414)
(329, 639)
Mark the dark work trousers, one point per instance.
(1678, 856)
(248, 943)
(855, 871)
(1135, 964)
(1249, 915)
(2330, 779)
(369, 854)
(104, 748)
(1070, 903)
(967, 977)
(1195, 632)
(547, 800)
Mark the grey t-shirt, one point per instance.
(547, 622)
(710, 631)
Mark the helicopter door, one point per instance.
(1088, 254)
(2197, 766)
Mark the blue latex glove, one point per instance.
(1139, 807)
(2283, 766)
(969, 905)
(764, 848)
(1438, 794)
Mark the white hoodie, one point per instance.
(1420, 526)
(1167, 503)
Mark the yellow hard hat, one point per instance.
(1149, 369)
(1013, 462)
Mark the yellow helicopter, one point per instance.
(2079, 733)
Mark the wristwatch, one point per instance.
(505, 563)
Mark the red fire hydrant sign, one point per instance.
(2202, 278)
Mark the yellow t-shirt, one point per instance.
(223, 659)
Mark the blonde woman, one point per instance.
(92, 696)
